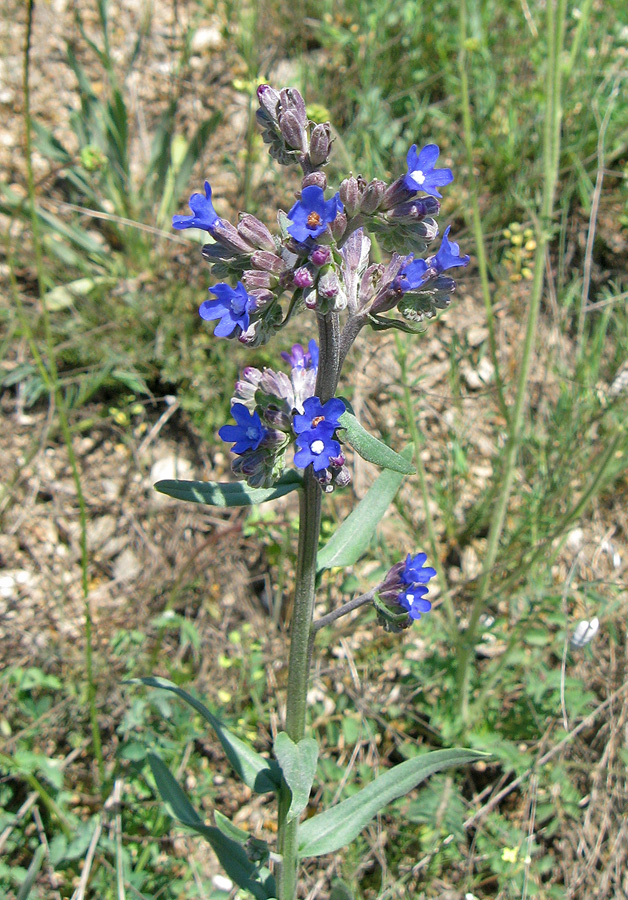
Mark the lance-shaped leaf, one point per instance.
(298, 766)
(236, 493)
(260, 774)
(353, 537)
(372, 449)
(340, 824)
(231, 854)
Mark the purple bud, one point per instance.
(260, 299)
(319, 179)
(415, 210)
(396, 193)
(310, 298)
(268, 262)
(372, 196)
(303, 278)
(328, 284)
(268, 99)
(224, 233)
(320, 144)
(255, 232)
(293, 131)
(342, 477)
(350, 195)
(320, 255)
(253, 278)
(291, 99)
(339, 226)
(277, 419)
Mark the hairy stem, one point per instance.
(301, 627)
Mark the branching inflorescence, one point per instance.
(318, 264)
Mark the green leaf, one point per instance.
(260, 774)
(229, 494)
(340, 891)
(354, 535)
(256, 849)
(339, 825)
(232, 856)
(298, 766)
(371, 449)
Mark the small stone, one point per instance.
(127, 566)
(206, 39)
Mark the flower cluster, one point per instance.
(405, 586)
(272, 411)
(319, 259)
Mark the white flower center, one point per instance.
(317, 447)
(417, 176)
(251, 432)
(410, 597)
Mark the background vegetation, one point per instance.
(115, 112)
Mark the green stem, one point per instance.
(476, 218)
(304, 596)
(60, 399)
(551, 152)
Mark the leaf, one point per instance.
(340, 891)
(235, 493)
(371, 449)
(351, 540)
(339, 825)
(260, 774)
(298, 766)
(232, 856)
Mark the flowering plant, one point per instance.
(318, 264)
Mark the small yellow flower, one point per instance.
(510, 854)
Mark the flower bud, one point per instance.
(278, 419)
(350, 195)
(320, 144)
(268, 262)
(303, 278)
(415, 210)
(339, 226)
(293, 131)
(328, 284)
(255, 233)
(253, 278)
(372, 196)
(320, 256)
(225, 234)
(268, 99)
(260, 298)
(290, 99)
(396, 193)
(317, 178)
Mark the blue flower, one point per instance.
(299, 358)
(204, 213)
(415, 571)
(416, 575)
(316, 447)
(231, 307)
(412, 276)
(247, 434)
(449, 255)
(319, 419)
(422, 176)
(311, 214)
(412, 600)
